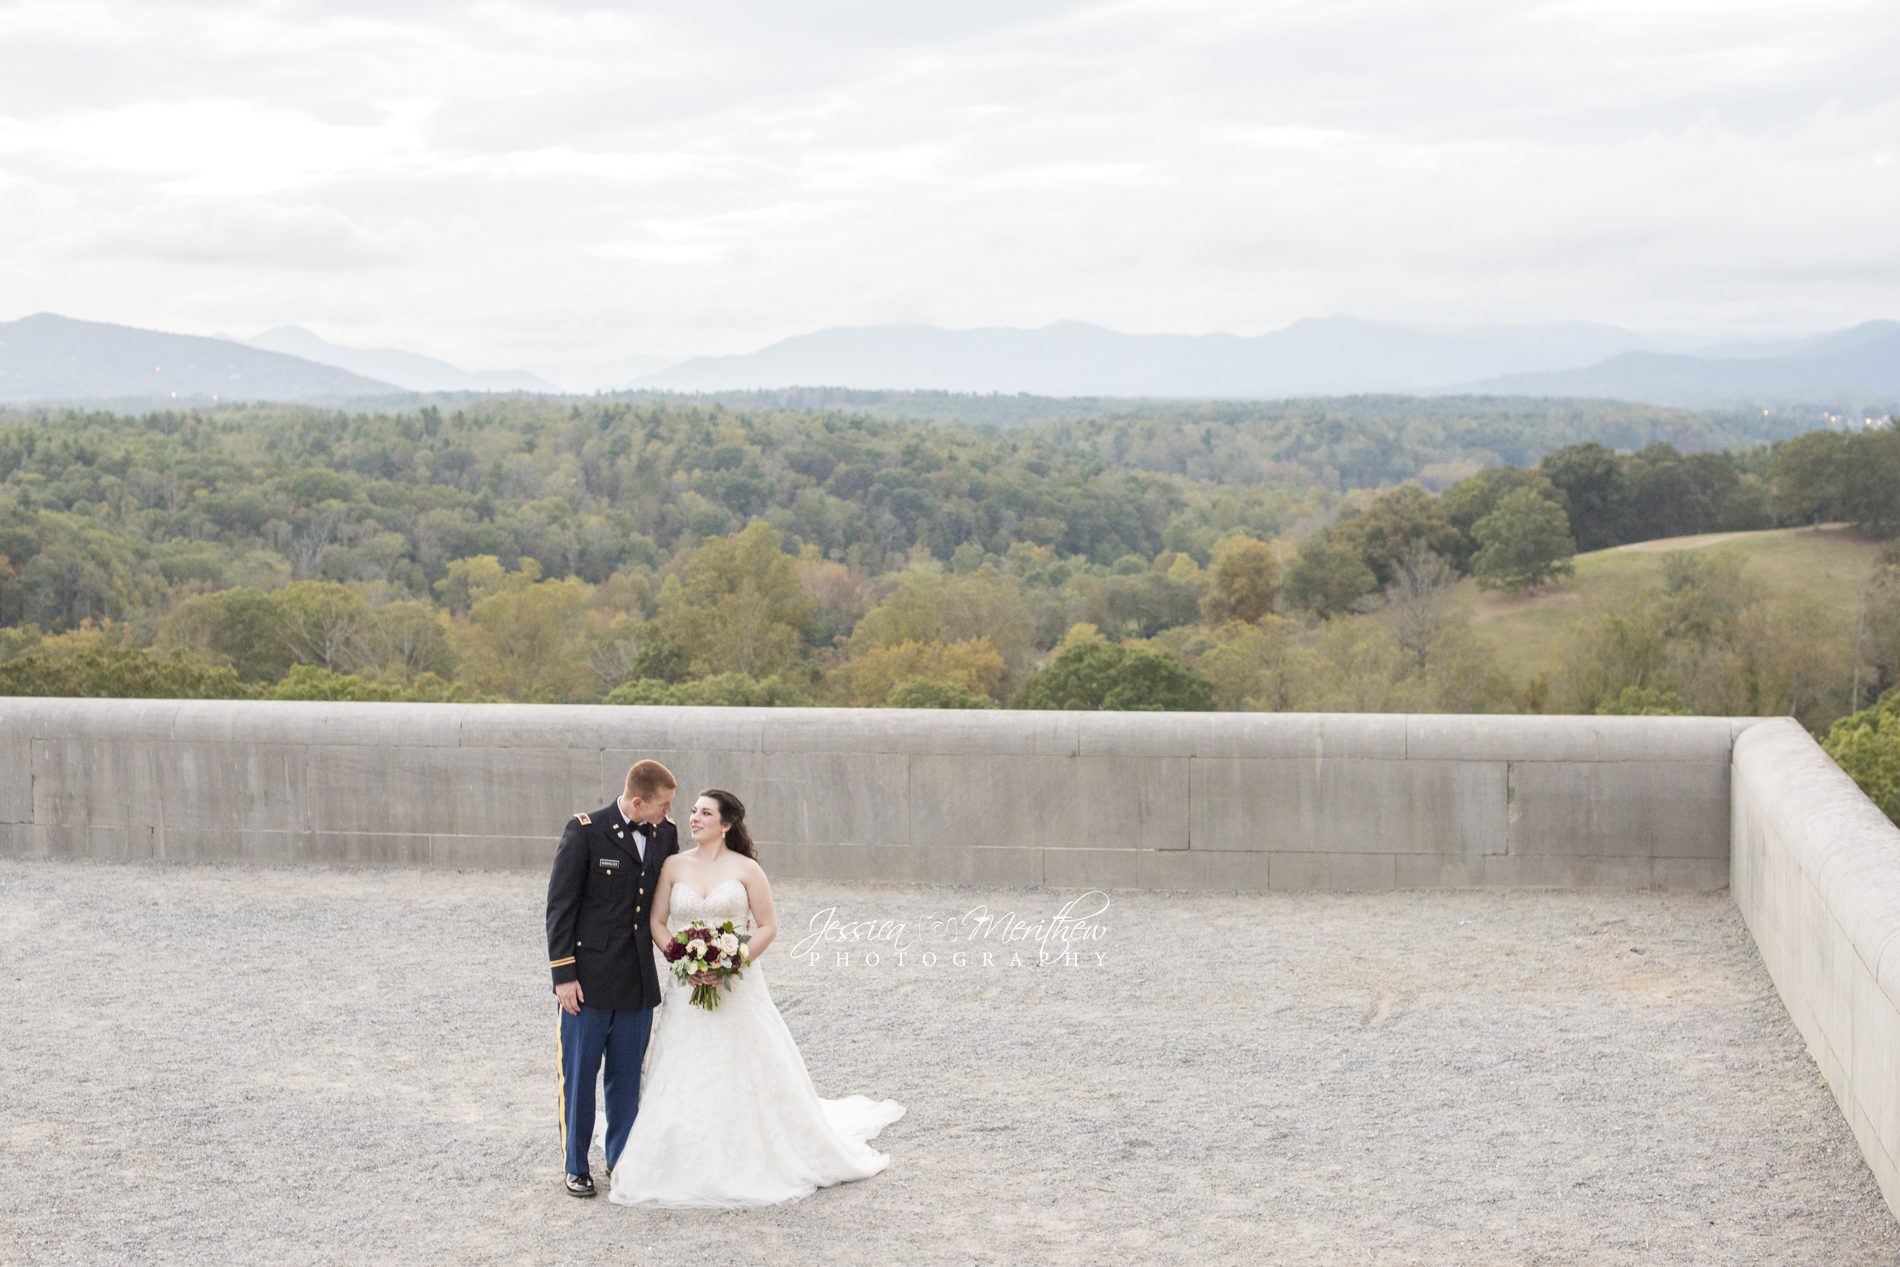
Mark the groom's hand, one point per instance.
(569, 995)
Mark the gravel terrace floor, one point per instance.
(285, 1066)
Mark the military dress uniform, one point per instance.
(600, 898)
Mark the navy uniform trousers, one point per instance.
(612, 1044)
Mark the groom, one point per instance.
(601, 954)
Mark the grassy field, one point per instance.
(1828, 562)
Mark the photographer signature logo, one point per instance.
(978, 938)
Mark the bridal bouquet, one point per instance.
(697, 948)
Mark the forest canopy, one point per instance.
(1297, 555)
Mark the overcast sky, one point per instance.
(552, 186)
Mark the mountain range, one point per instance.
(1860, 366)
(44, 357)
(408, 370)
(48, 358)
(1323, 356)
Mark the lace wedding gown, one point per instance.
(728, 1115)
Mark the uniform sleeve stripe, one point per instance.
(560, 963)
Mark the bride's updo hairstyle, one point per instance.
(732, 815)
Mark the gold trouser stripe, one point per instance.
(560, 963)
(560, 1052)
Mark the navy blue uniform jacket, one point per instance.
(600, 897)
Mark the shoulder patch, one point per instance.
(584, 820)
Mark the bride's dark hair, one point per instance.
(732, 814)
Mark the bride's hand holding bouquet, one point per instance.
(708, 958)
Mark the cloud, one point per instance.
(220, 147)
(248, 232)
(521, 181)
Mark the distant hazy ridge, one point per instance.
(50, 358)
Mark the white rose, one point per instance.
(729, 943)
(697, 950)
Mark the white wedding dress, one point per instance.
(728, 1115)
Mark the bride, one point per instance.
(728, 1116)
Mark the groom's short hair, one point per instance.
(648, 779)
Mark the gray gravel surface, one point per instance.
(206, 1064)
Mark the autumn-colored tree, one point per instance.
(870, 678)
(745, 605)
(1246, 576)
(522, 642)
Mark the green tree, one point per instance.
(724, 690)
(922, 692)
(1090, 673)
(1867, 746)
(306, 682)
(119, 673)
(1640, 701)
(1396, 524)
(239, 626)
(1522, 544)
(1872, 490)
(320, 623)
(1598, 495)
(1809, 478)
(1471, 499)
(1329, 575)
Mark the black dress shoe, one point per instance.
(580, 1185)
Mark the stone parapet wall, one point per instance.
(1817, 877)
(1108, 800)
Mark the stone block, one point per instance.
(361, 849)
(924, 732)
(1245, 736)
(894, 864)
(1204, 871)
(1439, 871)
(1875, 1059)
(1327, 806)
(1619, 809)
(1333, 872)
(493, 853)
(476, 791)
(1048, 802)
(88, 780)
(1466, 737)
(829, 797)
(357, 787)
(1092, 868)
(621, 727)
(19, 840)
(16, 778)
(258, 848)
(187, 787)
(65, 841)
(305, 722)
(120, 721)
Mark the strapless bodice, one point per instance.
(727, 901)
